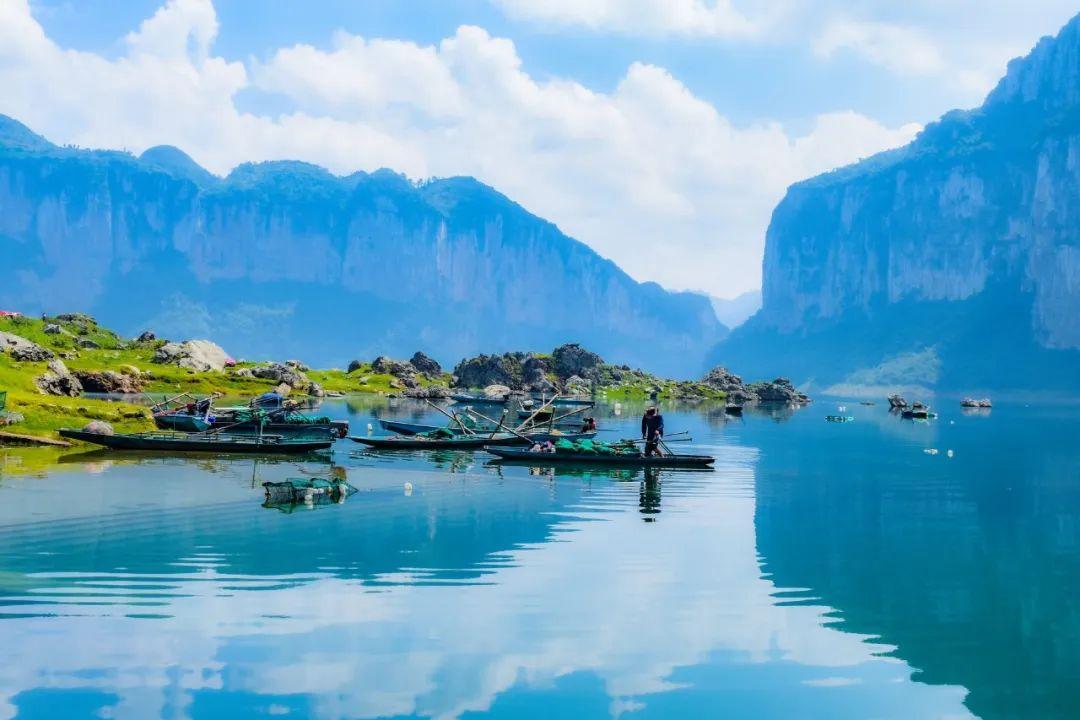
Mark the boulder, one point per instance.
(98, 427)
(297, 365)
(316, 390)
(534, 376)
(432, 392)
(109, 381)
(484, 370)
(576, 385)
(282, 374)
(197, 355)
(22, 349)
(496, 391)
(54, 329)
(354, 365)
(425, 365)
(572, 359)
(720, 379)
(779, 390)
(146, 337)
(243, 373)
(402, 371)
(58, 380)
(89, 344)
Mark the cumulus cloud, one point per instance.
(901, 49)
(648, 174)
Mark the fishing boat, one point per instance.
(479, 400)
(184, 413)
(202, 442)
(636, 459)
(406, 428)
(442, 439)
(567, 401)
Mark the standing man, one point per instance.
(652, 430)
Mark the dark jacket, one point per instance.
(651, 425)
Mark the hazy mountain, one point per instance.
(285, 259)
(733, 312)
(954, 260)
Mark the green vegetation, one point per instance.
(622, 383)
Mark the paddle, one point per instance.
(453, 417)
(500, 425)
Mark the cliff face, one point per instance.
(966, 241)
(284, 258)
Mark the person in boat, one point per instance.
(652, 431)
(589, 425)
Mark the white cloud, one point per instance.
(648, 174)
(718, 18)
(903, 50)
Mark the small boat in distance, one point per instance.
(479, 399)
(918, 411)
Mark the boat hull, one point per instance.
(462, 443)
(526, 456)
(181, 422)
(222, 444)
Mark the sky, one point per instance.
(661, 133)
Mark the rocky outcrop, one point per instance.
(281, 374)
(109, 381)
(402, 371)
(435, 261)
(484, 370)
(98, 427)
(23, 350)
(58, 380)
(146, 337)
(426, 366)
(966, 242)
(197, 355)
(572, 359)
(534, 375)
(779, 390)
(730, 384)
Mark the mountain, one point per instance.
(952, 263)
(733, 312)
(285, 259)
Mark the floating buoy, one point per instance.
(408, 489)
(949, 453)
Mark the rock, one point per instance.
(425, 365)
(720, 379)
(316, 390)
(77, 318)
(402, 371)
(297, 365)
(779, 390)
(283, 390)
(484, 370)
(197, 355)
(496, 391)
(22, 349)
(146, 337)
(89, 344)
(432, 392)
(243, 373)
(98, 427)
(108, 381)
(576, 385)
(534, 376)
(354, 365)
(58, 380)
(10, 418)
(283, 374)
(572, 359)
(54, 329)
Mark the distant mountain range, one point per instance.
(952, 263)
(284, 259)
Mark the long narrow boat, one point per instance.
(209, 442)
(406, 428)
(474, 400)
(568, 401)
(636, 459)
(465, 442)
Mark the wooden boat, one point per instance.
(634, 459)
(566, 401)
(182, 422)
(474, 400)
(918, 411)
(406, 428)
(204, 442)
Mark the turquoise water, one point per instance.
(820, 571)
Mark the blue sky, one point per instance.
(660, 132)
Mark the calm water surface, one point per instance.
(820, 571)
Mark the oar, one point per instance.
(537, 412)
(499, 424)
(453, 417)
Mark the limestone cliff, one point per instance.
(964, 244)
(284, 258)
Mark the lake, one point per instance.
(880, 568)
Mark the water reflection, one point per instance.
(805, 577)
